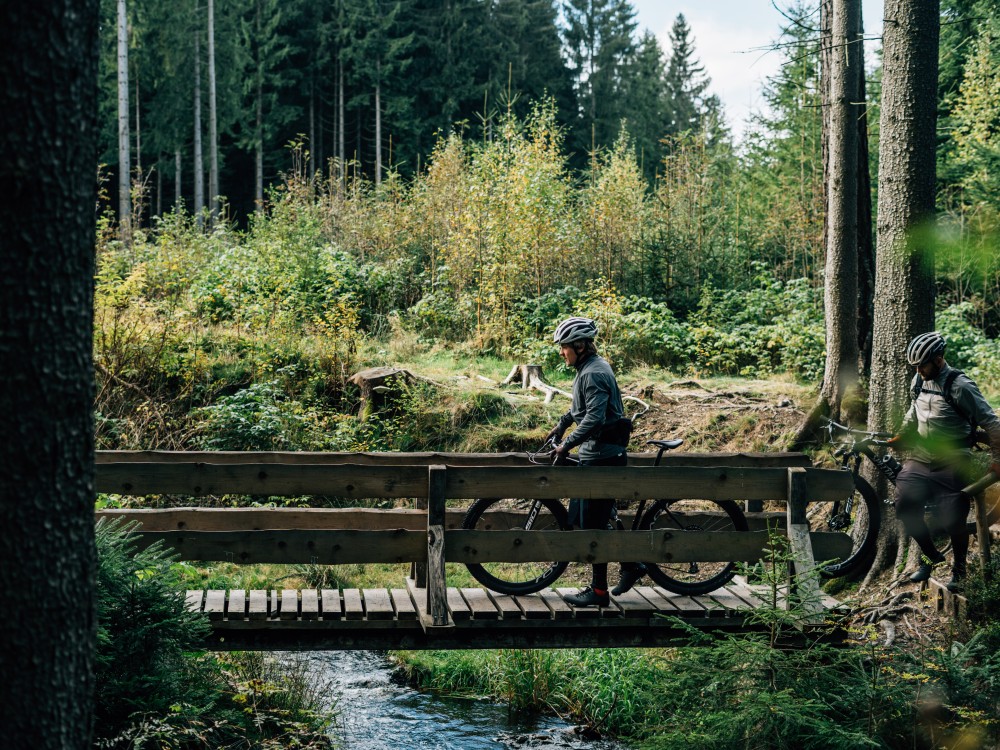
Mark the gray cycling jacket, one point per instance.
(943, 430)
(596, 402)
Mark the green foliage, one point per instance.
(144, 634)
(258, 418)
(155, 686)
(771, 327)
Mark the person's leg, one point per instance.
(913, 490)
(595, 514)
(953, 509)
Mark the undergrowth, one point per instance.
(157, 688)
(772, 688)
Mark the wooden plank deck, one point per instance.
(397, 619)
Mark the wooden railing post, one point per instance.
(418, 570)
(805, 581)
(983, 534)
(437, 587)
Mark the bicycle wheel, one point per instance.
(497, 514)
(693, 515)
(860, 516)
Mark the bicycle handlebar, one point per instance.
(867, 436)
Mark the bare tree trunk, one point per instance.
(213, 120)
(124, 138)
(341, 142)
(841, 280)
(178, 193)
(259, 151)
(866, 250)
(842, 71)
(199, 159)
(378, 126)
(904, 274)
(48, 114)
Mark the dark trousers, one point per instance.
(919, 485)
(595, 514)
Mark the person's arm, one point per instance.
(595, 397)
(970, 399)
(908, 429)
(562, 425)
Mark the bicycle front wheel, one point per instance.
(693, 515)
(494, 514)
(859, 516)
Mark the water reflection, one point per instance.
(378, 713)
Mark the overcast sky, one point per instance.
(729, 37)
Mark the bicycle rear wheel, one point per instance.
(495, 514)
(693, 515)
(859, 516)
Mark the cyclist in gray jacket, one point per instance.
(939, 430)
(597, 404)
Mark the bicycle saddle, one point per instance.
(665, 444)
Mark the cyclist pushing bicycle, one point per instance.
(939, 430)
(601, 434)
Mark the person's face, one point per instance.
(930, 370)
(568, 353)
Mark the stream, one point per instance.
(377, 712)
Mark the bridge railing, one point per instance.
(429, 536)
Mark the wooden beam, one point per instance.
(805, 581)
(636, 483)
(291, 546)
(339, 547)
(427, 459)
(437, 586)
(590, 547)
(286, 480)
(305, 519)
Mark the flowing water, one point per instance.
(377, 712)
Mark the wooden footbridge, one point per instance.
(424, 612)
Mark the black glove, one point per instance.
(554, 436)
(559, 457)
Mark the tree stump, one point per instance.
(531, 378)
(379, 386)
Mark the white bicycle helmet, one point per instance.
(924, 348)
(575, 329)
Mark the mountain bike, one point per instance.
(542, 514)
(860, 515)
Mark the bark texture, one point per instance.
(841, 280)
(904, 274)
(48, 159)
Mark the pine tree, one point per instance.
(686, 82)
(599, 39)
(646, 94)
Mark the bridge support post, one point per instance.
(437, 586)
(804, 582)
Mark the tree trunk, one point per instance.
(378, 130)
(178, 193)
(124, 138)
(199, 160)
(841, 280)
(341, 140)
(845, 178)
(904, 274)
(48, 52)
(213, 121)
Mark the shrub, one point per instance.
(155, 686)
